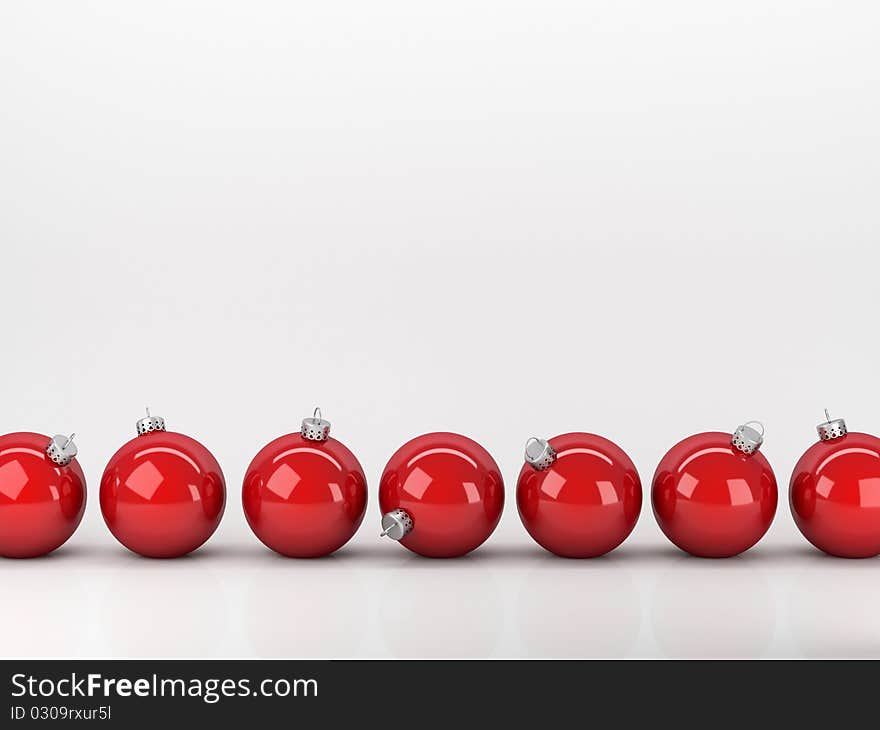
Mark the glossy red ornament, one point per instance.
(162, 493)
(42, 493)
(579, 495)
(305, 494)
(441, 495)
(714, 494)
(835, 492)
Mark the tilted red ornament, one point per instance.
(578, 494)
(714, 494)
(42, 493)
(441, 495)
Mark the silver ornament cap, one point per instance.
(61, 449)
(150, 423)
(831, 428)
(315, 428)
(539, 453)
(747, 438)
(396, 524)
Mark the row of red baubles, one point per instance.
(441, 494)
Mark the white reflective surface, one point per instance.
(374, 599)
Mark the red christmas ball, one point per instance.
(835, 492)
(714, 494)
(441, 495)
(162, 493)
(305, 494)
(42, 493)
(579, 495)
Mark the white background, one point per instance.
(643, 219)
